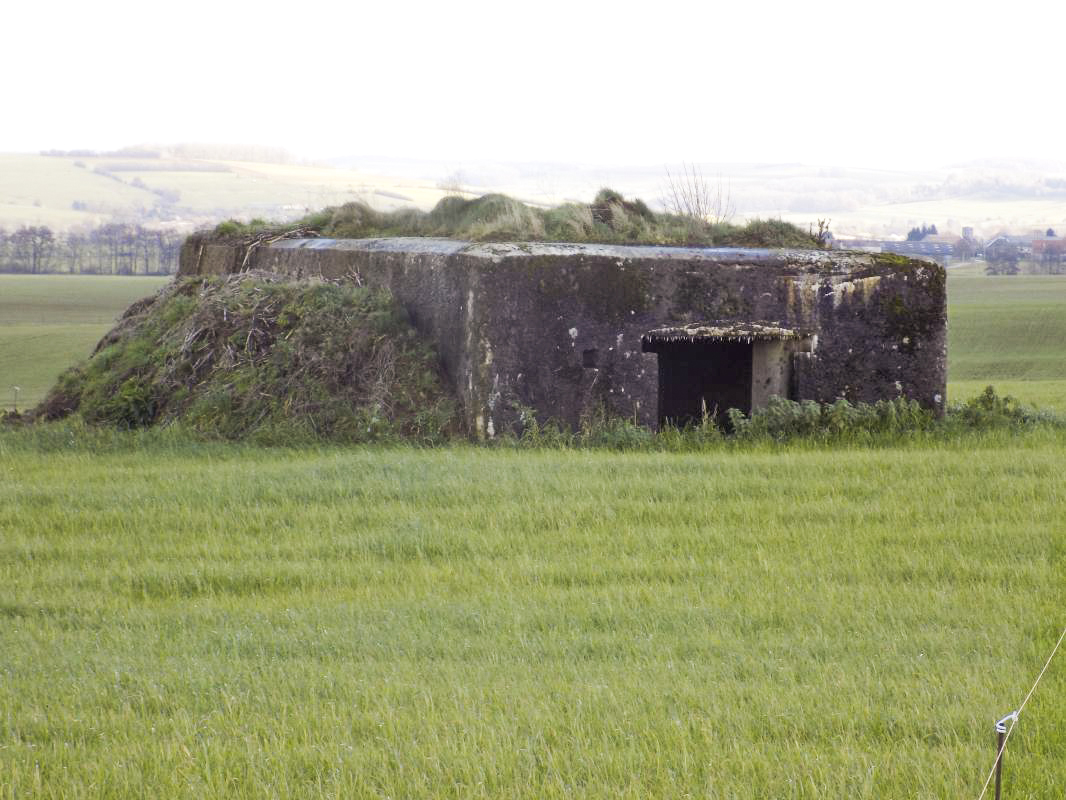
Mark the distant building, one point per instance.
(1042, 247)
(1006, 243)
(1050, 252)
(1004, 252)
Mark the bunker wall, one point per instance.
(556, 329)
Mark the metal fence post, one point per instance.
(1001, 737)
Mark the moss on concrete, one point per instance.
(708, 296)
(608, 291)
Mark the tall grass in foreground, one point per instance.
(185, 620)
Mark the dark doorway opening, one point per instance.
(703, 377)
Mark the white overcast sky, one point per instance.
(852, 83)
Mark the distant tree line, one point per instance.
(214, 152)
(115, 248)
(125, 152)
(917, 234)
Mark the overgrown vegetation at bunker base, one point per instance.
(255, 357)
(252, 357)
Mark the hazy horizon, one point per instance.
(908, 86)
(354, 158)
(878, 116)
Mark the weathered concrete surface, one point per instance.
(557, 327)
(771, 372)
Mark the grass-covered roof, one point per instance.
(609, 218)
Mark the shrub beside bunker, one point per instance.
(254, 357)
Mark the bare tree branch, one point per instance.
(689, 194)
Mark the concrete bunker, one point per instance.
(646, 333)
(707, 369)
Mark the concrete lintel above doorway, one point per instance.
(745, 332)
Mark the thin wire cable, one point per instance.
(1017, 713)
(1041, 675)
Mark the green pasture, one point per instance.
(202, 621)
(49, 322)
(1010, 332)
(38, 190)
(243, 190)
(1049, 394)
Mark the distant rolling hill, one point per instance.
(66, 192)
(185, 192)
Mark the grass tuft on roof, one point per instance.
(608, 219)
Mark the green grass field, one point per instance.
(1010, 332)
(201, 620)
(49, 322)
(218, 621)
